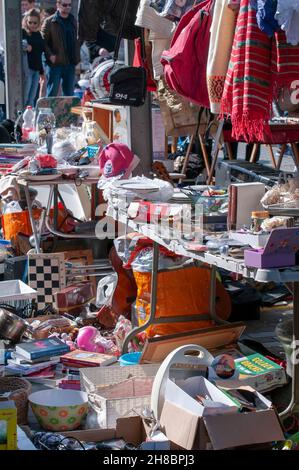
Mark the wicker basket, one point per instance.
(18, 390)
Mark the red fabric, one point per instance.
(46, 160)
(139, 61)
(260, 66)
(185, 63)
(278, 135)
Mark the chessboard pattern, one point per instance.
(47, 276)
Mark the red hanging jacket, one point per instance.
(185, 63)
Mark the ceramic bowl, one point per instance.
(59, 410)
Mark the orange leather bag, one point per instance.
(184, 291)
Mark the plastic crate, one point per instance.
(16, 294)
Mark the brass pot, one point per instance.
(12, 327)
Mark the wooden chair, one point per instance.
(282, 133)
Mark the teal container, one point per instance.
(130, 359)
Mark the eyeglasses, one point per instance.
(66, 5)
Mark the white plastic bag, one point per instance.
(105, 290)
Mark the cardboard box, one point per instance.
(187, 425)
(133, 430)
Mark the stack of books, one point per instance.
(37, 359)
(78, 359)
(11, 154)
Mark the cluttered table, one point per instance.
(166, 237)
(53, 193)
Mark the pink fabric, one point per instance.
(115, 159)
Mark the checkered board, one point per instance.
(46, 275)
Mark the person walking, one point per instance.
(62, 49)
(27, 5)
(34, 45)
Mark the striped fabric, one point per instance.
(259, 67)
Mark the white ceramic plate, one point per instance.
(144, 187)
(43, 177)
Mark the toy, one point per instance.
(90, 339)
(8, 433)
(224, 366)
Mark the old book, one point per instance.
(81, 358)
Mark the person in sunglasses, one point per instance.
(62, 49)
(34, 46)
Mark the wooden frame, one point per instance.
(156, 349)
(82, 258)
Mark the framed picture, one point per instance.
(78, 258)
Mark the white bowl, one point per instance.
(59, 410)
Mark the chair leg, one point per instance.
(186, 161)
(174, 144)
(254, 153)
(272, 155)
(296, 154)
(212, 169)
(215, 151)
(229, 151)
(281, 153)
(205, 154)
(166, 147)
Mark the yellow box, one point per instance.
(8, 414)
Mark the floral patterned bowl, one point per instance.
(59, 410)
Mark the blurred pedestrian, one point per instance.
(27, 5)
(62, 49)
(34, 45)
(46, 12)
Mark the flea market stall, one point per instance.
(155, 310)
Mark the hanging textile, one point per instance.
(287, 16)
(149, 18)
(265, 16)
(222, 36)
(161, 30)
(259, 68)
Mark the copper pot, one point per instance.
(12, 327)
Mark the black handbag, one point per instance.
(128, 85)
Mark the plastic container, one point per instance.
(130, 359)
(257, 218)
(92, 151)
(28, 122)
(45, 119)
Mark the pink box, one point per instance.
(279, 251)
(258, 259)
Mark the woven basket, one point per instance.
(18, 390)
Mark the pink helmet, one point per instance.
(115, 159)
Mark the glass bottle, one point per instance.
(45, 123)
